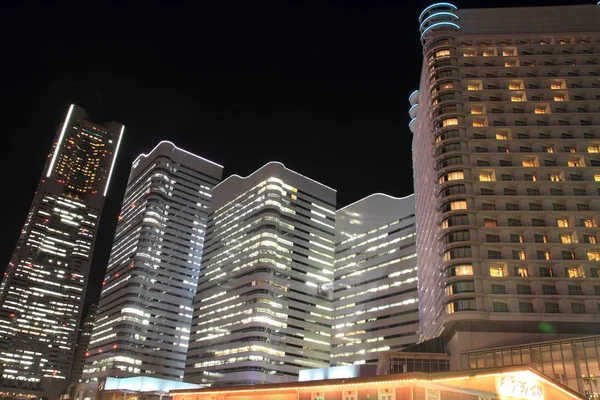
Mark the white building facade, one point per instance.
(145, 308)
(375, 296)
(263, 307)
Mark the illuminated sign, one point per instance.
(520, 386)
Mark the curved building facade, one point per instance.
(375, 280)
(263, 307)
(145, 308)
(507, 174)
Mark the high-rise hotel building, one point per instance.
(263, 308)
(506, 157)
(375, 279)
(41, 295)
(144, 313)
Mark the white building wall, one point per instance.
(375, 279)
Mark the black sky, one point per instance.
(321, 86)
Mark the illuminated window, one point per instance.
(497, 272)
(573, 163)
(490, 222)
(573, 272)
(443, 53)
(488, 54)
(501, 136)
(562, 223)
(510, 64)
(590, 239)
(450, 122)
(433, 394)
(447, 85)
(559, 98)
(597, 177)
(486, 177)
(476, 110)
(593, 149)
(479, 122)
(349, 395)
(508, 53)
(566, 239)
(474, 86)
(528, 163)
(387, 394)
(518, 255)
(317, 396)
(588, 223)
(514, 87)
(522, 272)
(516, 98)
(469, 54)
(461, 270)
(540, 110)
(593, 255)
(458, 205)
(554, 177)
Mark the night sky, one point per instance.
(321, 86)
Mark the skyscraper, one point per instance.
(83, 341)
(263, 308)
(42, 293)
(506, 156)
(145, 308)
(375, 279)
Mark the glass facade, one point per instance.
(572, 362)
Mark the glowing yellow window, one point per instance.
(597, 177)
(516, 98)
(589, 223)
(478, 122)
(488, 54)
(443, 53)
(476, 110)
(473, 87)
(549, 149)
(528, 163)
(522, 271)
(497, 272)
(510, 64)
(547, 255)
(501, 136)
(566, 239)
(592, 240)
(485, 177)
(458, 205)
(450, 122)
(593, 255)
(574, 272)
(562, 223)
(456, 175)
(507, 53)
(540, 110)
(573, 163)
(559, 98)
(447, 85)
(593, 149)
(555, 86)
(461, 270)
(468, 54)
(514, 87)
(522, 255)
(554, 177)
